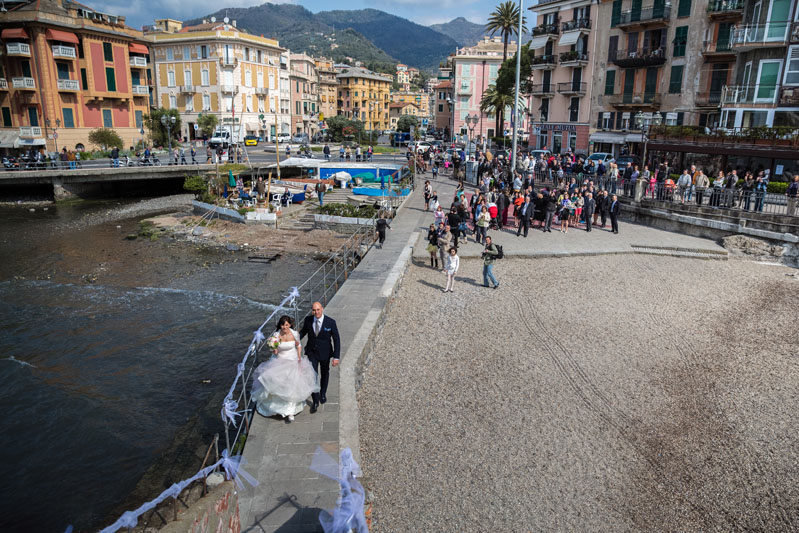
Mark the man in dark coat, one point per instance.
(525, 214)
(614, 210)
(589, 206)
(604, 207)
(323, 345)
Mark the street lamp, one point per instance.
(451, 107)
(644, 122)
(55, 130)
(169, 121)
(471, 123)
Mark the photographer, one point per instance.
(489, 257)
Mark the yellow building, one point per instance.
(400, 109)
(215, 67)
(66, 70)
(327, 87)
(364, 95)
(420, 99)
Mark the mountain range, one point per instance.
(376, 38)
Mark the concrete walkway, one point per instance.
(278, 454)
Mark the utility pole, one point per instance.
(516, 96)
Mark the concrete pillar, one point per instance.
(640, 187)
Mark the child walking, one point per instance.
(453, 262)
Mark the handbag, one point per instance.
(462, 226)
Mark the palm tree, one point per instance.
(494, 102)
(505, 20)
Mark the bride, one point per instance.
(283, 383)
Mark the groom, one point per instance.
(323, 344)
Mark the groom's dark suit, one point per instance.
(321, 348)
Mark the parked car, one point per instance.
(421, 146)
(284, 137)
(301, 138)
(598, 157)
(250, 140)
(536, 154)
(622, 161)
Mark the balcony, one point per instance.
(708, 99)
(543, 89)
(543, 62)
(789, 96)
(3, 84)
(573, 59)
(578, 24)
(732, 95)
(64, 52)
(717, 48)
(644, 99)
(230, 89)
(760, 35)
(18, 49)
(228, 61)
(262, 90)
(546, 29)
(571, 88)
(30, 132)
(68, 85)
(138, 61)
(141, 90)
(638, 58)
(23, 83)
(650, 16)
(725, 9)
(188, 89)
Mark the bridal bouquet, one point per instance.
(274, 342)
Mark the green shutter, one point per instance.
(615, 16)
(680, 40)
(110, 80)
(6, 117)
(675, 83)
(108, 52)
(69, 118)
(139, 119)
(685, 8)
(610, 81)
(108, 121)
(83, 79)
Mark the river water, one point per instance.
(114, 356)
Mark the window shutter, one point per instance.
(610, 82)
(599, 122)
(632, 41)
(675, 82)
(647, 37)
(680, 116)
(615, 16)
(663, 33)
(618, 121)
(684, 9)
(612, 114)
(613, 47)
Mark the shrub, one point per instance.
(347, 210)
(105, 138)
(777, 187)
(196, 185)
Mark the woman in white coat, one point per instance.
(453, 263)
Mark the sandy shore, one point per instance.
(610, 393)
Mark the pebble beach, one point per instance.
(609, 393)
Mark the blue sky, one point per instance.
(139, 12)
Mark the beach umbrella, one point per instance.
(230, 179)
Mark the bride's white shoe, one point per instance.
(290, 418)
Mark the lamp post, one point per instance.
(55, 130)
(516, 109)
(169, 121)
(644, 122)
(471, 123)
(451, 107)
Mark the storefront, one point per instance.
(560, 138)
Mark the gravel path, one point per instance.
(637, 393)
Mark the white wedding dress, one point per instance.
(282, 384)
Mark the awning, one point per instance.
(569, 38)
(7, 138)
(539, 42)
(607, 137)
(633, 138)
(58, 35)
(19, 143)
(136, 48)
(14, 33)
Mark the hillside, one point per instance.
(372, 36)
(462, 31)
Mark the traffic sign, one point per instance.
(196, 127)
(261, 116)
(141, 131)
(55, 135)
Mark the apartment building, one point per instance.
(565, 46)
(474, 69)
(66, 70)
(327, 85)
(420, 99)
(652, 62)
(304, 96)
(442, 106)
(764, 89)
(215, 67)
(364, 95)
(400, 109)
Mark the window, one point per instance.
(187, 77)
(615, 16)
(613, 47)
(685, 8)
(173, 101)
(202, 51)
(228, 103)
(6, 117)
(108, 121)
(574, 110)
(170, 76)
(170, 54)
(139, 118)
(206, 78)
(186, 53)
(260, 104)
(610, 81)
(69, 118)
(135, 77)
(792, 69)
(573, 141)
(26, 68)
(767, 80)
(675, 82)
(206, 102)
(63, 70)
(680, 40)
(108, 52)
(248, 78)
(260, 79)
(440, 108)
(272, 82)
(466, 70)
(110, 79)
(544, 109)
(84, 80)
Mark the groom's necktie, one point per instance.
(316, 326)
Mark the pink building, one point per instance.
(474, 69)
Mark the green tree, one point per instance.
(506, 77)
(207, 123)
(340, 127)
(105, 138)
(494, 103)
(505, 20)
(406, 121)
(157, 130)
